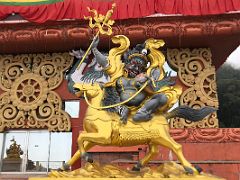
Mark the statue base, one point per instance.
(11, 165)
(95, 171)
(187, 178)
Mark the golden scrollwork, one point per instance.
(29, 100)
(196, 72)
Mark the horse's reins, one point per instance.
(114, 105)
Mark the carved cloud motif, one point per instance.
(28, 100)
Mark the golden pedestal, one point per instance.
(95, 171)
(11, 165)
(187, 178)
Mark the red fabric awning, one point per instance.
(76, 9)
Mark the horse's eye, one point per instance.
(144, 51)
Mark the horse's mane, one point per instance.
(111, 96)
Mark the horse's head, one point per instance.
(90, 89)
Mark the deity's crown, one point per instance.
(139, 55)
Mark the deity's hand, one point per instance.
(79, 54)
(167, 78)
(95, 42)
(166, 81)
(141, 78)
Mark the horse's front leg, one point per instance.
(102, 137)
(76, 156)
(94, 138)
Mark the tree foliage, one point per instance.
(228, 84)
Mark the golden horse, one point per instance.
(105, 128)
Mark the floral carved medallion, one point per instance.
(28, 100)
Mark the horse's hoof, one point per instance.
(188, 170)
(137, 167)
(65, 167)
(198, 168)
(124, 121)
(87, 157)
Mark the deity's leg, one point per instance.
(167, 141)
(153, 151)
(144, 113)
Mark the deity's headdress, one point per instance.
(138, 51)
(148, 51)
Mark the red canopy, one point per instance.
(76, 9)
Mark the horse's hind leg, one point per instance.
(153, 151)
(167, 141)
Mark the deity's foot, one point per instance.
(142, 116)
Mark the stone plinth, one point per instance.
(188, 178)
(11, 165)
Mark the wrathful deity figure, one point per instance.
(134, 77)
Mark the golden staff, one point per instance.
(101, 22)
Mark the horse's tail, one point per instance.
(190, 113)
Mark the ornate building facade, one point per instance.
(33, 96)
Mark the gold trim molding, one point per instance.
(29, 100)
(196, 72)
(138, 178)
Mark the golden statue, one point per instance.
(14, 151)
(129, 95)
(105, 125)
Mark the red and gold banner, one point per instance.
(27, 2)
(44, 10)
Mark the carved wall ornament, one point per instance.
(29, 100)
(196, 72)
(206, 135)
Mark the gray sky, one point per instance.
(234, 58)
